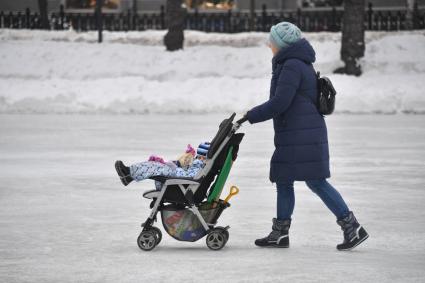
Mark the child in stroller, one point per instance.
(188, 190)
(186, 166)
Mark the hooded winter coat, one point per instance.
(301, 143)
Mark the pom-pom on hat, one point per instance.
(203, 149)
(190, 150)
(283, 34)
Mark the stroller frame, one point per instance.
(187, 191)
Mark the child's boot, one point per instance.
(279, 235)
(124, 172)
(354, 233)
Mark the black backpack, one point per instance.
(325, 95)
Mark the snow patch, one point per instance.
(65, 72)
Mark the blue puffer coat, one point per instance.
(300, 139)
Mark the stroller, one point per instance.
(190, 207)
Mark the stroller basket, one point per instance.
(183, 225)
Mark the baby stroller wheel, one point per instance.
(227, 235)
(158, 234)
(224, 230)
(146, 240)
(216, 239)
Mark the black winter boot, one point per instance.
(124, 172)
(354, 233)
(278, 237)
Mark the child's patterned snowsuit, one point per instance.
(144, 170)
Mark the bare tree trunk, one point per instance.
(353, 44)
(176, 16)
(42, 6)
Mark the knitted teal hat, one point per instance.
(283, 34)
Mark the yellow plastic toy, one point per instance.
(233, 191)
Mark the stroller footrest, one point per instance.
(151, 194)
(176, 180)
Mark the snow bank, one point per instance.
(150, 37)
(65, 72)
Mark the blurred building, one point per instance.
(141, 6)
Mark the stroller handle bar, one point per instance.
(239, 122)
(242, 120)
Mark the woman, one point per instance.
(301, 143)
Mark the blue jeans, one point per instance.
(328, 194)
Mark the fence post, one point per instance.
(333, 19)
(53, 21)
(397, 21)
(199, 23)
(272, 20)
(393, 20)
(78, 25)
(99, 21)
(10, 22)
(369, 16)
(264, 18)
(27, 18)
(213, 23)
(299, 18)
(85, 22)
(61, 16)
(415, 15)
(162, 15)
(121, 22)
(20, 25)
(135, 19)
(251, 14)
(128, 26)
(386, 20)
(229, 21)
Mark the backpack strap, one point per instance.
(317, 74)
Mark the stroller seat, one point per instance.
(151, 194)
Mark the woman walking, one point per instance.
(300, 139)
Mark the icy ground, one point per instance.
(65, 72)
(65, 217)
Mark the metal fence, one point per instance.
(229, 22)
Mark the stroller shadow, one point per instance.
(200, 248)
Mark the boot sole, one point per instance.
(273, 246)
(361, 241)
(120, 174)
